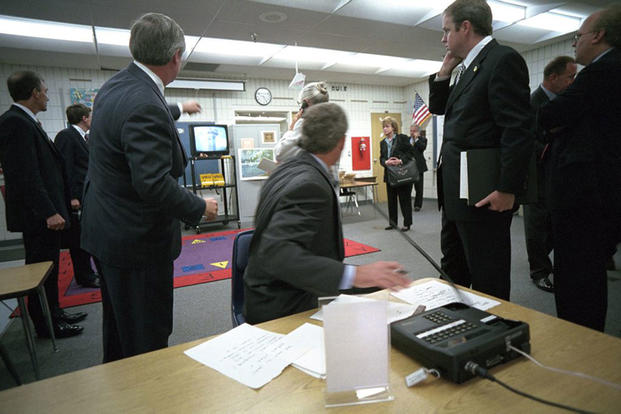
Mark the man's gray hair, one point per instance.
(155, 38)
(325, 124)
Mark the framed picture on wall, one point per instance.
(249, 159)
(268, 137)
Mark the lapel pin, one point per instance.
(475, 69)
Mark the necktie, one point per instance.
(86, 138)
(460, 71)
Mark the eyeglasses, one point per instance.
(579, 35)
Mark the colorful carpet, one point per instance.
(204, 258)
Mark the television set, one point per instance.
(209, 140)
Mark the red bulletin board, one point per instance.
(360, 153)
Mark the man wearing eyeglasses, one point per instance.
(585, 174)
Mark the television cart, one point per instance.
(228, 169)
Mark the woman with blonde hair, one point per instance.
(395, 149)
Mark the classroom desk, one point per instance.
(168, 381)
(346, 190)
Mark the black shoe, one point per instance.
(389, 228)
(62, 330)
(89, 281)
(416, 208)
(405, 228)
(61, 315)
(544, 283)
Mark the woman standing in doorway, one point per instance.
(396, 150)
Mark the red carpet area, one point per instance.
(204, 258)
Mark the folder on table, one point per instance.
(480, 172)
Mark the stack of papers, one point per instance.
(434, 294)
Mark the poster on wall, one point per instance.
(249, 159)
(83, 96)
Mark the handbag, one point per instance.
(403, 174)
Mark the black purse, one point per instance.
(403, 174)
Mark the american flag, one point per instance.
(421, 113)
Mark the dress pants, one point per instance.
(418, 191)
(137, 308)
(538, 234)
(81, 259)
(42, 246)
(478, 253)
(404, 193)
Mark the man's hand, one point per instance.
(448, 64)
(211, 208)
(385, 275)
(191, 107)
(75, 204)
(498, 201)
(55, 222)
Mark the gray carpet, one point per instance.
(204, 310)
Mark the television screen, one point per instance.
(207, 141)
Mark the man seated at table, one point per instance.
(297, 252)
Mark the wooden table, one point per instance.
(346, 187)
(19, 282)
(169, 381)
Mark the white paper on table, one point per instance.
(312, 362)
(433, 294)
(396, 311)
(249, 355)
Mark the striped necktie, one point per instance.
(460, 71)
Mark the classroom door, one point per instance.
(377, 134)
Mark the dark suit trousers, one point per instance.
(418, 190)
(538, 233)
(80, 258)
(583, 243)
(137, 308)
(43, 246)
(404, 193)
(478, 253)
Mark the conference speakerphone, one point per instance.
(448, 337)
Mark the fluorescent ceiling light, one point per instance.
(552, 21)
(506, 12)
(110, 36)
(310, 55)
(260, 118)
(213, 46)
(44, 29)
(208, 84)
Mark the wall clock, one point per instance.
(263, 96)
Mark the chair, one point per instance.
(241, 247)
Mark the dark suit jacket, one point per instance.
(488, 108)
(33, 171)
(419, 153)
(586, 155)
(401, 149)
(537, 99)
(75, 152)
(297, 249)
(132, 202)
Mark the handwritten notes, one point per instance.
(434, 294)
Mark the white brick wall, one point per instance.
(220, 106)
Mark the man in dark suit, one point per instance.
(557, 76)
(132, 201)
(72, 143)
(487, 107)
(296, 252)
(419, 142)
(585, 171)
(36, 197)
